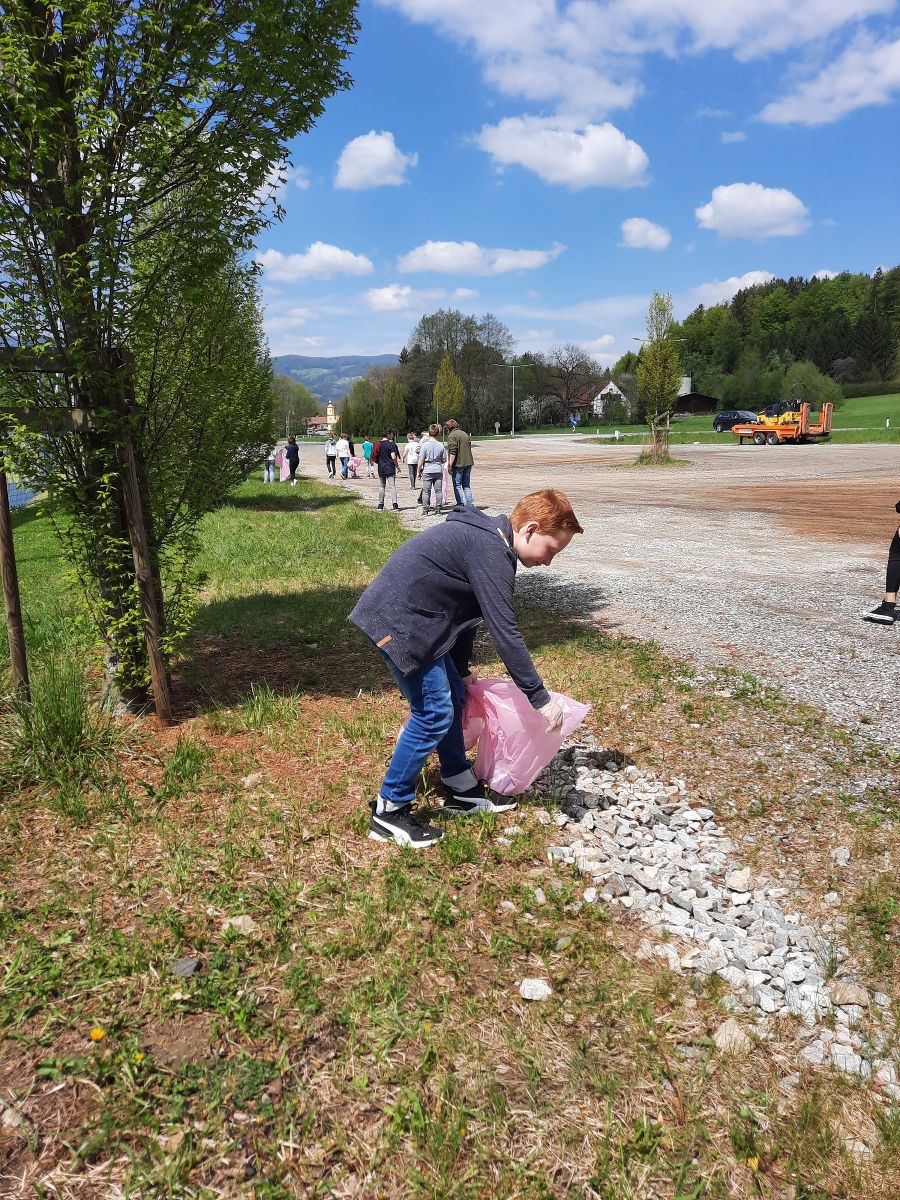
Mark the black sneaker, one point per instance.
(380, 507)
(397, 507)
(884, 614)
(402, 828)
(476, 799)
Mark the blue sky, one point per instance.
(553, 162)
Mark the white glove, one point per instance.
(554, 715)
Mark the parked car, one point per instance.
(734, 416)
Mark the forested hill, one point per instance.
(848, 326)
(330, 378)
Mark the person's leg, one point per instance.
(394, 489)
(457, 485)
(345, 462)
(438, 482)
(382, 479)
(886, 613)
(432, 714)
(892, 580)
(464, 484)
(413, 470)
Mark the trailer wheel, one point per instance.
(759, 439)
(772, 439)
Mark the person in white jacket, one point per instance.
(343, 453)
(411, 457)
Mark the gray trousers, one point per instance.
(430, 482)
(383, 480)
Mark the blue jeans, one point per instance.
(345, 462)
(269, 473)
(436, 695)
(461, 477)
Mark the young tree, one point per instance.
(394, 411)
(448, 390)
(659, 373)
(139, 145)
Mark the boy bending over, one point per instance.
(422, 611)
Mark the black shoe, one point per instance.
(397, 506)
(884, 614)
(380, 507)
(476, 799)
(402, 828)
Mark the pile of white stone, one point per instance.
(647, 850)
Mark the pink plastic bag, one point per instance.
(513, 743)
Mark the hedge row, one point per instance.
(870, 389)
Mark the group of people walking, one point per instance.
(425, 457)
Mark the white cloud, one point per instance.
(868, 72)
(734, 136)
(292, 319)
(373, 160)
(398, 297)
(824, 273)
(752, 211)
(717, 114)
(718, 291)
(320, 261)
(640, 234)
(600, 344)
(584, 58)
(468, 258)
(593, 156)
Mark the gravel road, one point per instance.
(761, 558)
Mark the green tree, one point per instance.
(659, 373)
(292, 401)
(448, 390)
(394, 411)
(140, 144)
(804, 381)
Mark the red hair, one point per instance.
(550, 508)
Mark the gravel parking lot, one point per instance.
(761, 558)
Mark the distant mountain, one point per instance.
(330, 378)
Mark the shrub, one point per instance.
(872, 388)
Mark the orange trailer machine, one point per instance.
(789, 427)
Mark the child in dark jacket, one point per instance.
(422, 612)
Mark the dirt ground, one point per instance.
(757, 557)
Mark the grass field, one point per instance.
(212, 985)
(860, 420)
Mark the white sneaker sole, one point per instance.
(879, 620)
(485, 806)
(401, 839)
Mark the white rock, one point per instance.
(841, 856)
(242, 924)
(843, 992)
(731, 1039)
(535, 989)
(589, 895)
(738, 881)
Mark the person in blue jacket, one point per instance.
(292, 454)
(422, 612)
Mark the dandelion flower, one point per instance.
(98, 1034)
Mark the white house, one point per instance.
(602, 397)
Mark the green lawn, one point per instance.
(859, 420)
